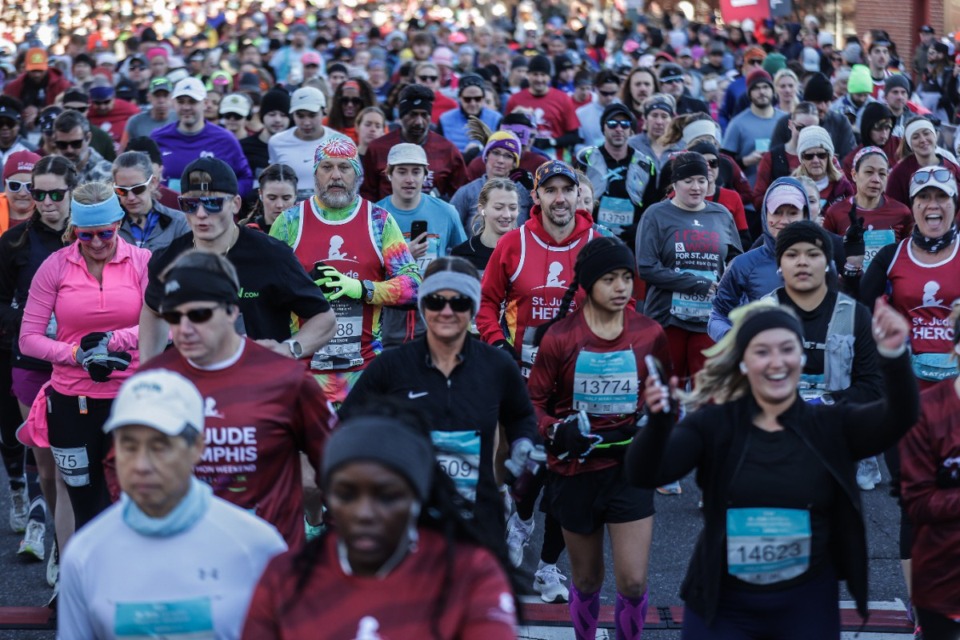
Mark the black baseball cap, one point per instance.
(9, 112)
(222, 177)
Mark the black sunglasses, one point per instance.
(213, 204)
(472, 99)
(713, 164)
(63, 145)
(56, 195)
(623, 124)
(458, 304)
(350, 100)
(428, 78)
(195, 316)
(607, 94)
(820, 155)
(101, 102)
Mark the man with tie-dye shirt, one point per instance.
(359, 258)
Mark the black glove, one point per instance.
(544, 143)
(92, 345)
(853, 244)
(523, 178)
(101, 366)
(568, 441)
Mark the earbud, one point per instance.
(826, 269)
(803, 360)
(743, 368)
(779, 271)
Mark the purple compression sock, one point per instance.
(584, 612)
(629, 614)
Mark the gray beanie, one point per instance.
(387, 441)
(813, 137)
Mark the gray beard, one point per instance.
(339, 201)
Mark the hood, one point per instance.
(768, 239)
(582, 218)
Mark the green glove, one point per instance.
(335, 285)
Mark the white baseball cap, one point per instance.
(406, 153)
(235, 103)
(307, 99)
(191, 88)
(159, 399)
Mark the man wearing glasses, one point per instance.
(428, 74)
(453, 123)
(77, 99)
(294, 147)
(10, 140)
(71, 135)
(261, 410)
(606, 87)
(272, 283)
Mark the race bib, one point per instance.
(874, 241)
(343, 350)
(433, 252)
(180, 620)
(458, 453)
(74, 465)
(691, 306)
(767, 546)
(615, 212)
(606, 383)
(762, 145)
(528, 352)
(811, 387)
(933, 366)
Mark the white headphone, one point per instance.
(743, 367)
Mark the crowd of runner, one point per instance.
(305, 312)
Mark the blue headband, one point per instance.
(96, 215)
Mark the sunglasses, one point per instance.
(350, 100)
(136, 189)
(212, 204)
(623, 124)
(472, 99)
(80, 109)
(15, 186)
(63, 145)
(56, 195)
(886, 126)
(820, 155)
(607, 94)
(7, 124)
(755, 61)
(195, 316)
(232, 116)
(713, 164)
(428, 78)
(88, 236)
(923, 176)
(458, 304)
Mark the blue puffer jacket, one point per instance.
(751, 275)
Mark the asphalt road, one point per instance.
(677, 525)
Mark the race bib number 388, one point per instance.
(766, 546)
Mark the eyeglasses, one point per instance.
(350, 100)
(81, 108)
(623, 124)
(195, 316)
(819, 155)
(105, 235)
(472, 99)
(923, 176)
(884, 126)
(713, 164)
(607, 94)
(458, 304)
(232, 116)
(212, 204)
(56, 195)
(15, 186)
(63, 145)
(428, 78)
(137, 189)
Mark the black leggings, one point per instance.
(553, 543)
(79, 446)
(11, 450)
(937, 627)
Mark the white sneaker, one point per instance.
(32, 543)
(19, 510)
(518, 535)
(868, 474)
(546, 582)
(53, 566)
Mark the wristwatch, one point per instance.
(368, 291)
(295, 349)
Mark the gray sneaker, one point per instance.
(53, 566)
(19, 510)
(33, 540)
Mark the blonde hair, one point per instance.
(721, 380)
(87, 193)
(490, 185)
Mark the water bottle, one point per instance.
(523, 477)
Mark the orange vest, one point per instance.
(4, 213)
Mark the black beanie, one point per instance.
(275, 100)
(704, 147)
(873, 113)
(803, 231)
(818, 89)
(687, 165)
(540, 64)
(599, 257)
(617, 109)
(415, 96)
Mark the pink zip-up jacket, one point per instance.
(63, 286)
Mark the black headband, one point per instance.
(662, 105)
(773, 319)
(190, 284)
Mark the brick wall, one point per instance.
(902, 20)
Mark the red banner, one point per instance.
(740, 10)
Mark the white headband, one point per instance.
(917, 125)
(699, 128)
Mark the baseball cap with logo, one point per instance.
(307, 99)
(222, 177)
(190, 88)
(159, 399)
(406, 153)
(235, 103)
(554, 168)
(37, 59)
(161, 84)
(7, 112)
